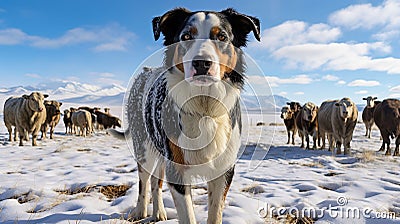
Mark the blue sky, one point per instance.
(310, 51)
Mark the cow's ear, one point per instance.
(169, 24)
(287, 103)
(364, 98)
(375, 98)
(45, 95)
(242, 25)
(60, 104)
(25, 96)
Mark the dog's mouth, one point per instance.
(202, 79)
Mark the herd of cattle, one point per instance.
(336, 120)
(30, 114)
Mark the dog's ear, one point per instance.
(242, 25)
(169, 24)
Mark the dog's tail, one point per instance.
(118, 134)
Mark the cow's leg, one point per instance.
(308, 141)
(9, 129)
(21, 133)
(346, 146)
(315, 137)
(302, 139)
(293, 133)
(396, 151)
(366, 130)
(386, 140)
(159, 213)
(34, 136)
(217, 190)
(369, 131)
(51, 131)
(288, 136)
(338, 147)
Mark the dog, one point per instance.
(184, 117)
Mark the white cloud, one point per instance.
(395, 89)
(298, 93)
(283, 93)
(361, 92)
(339, 56)
(330, 78)
(33, 75)
(275, 81)
(296, 32)
(366, 16)
(365, 83)
(112, 37)
(394, 95)
(341, 82)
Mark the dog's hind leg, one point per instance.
(140, 211)
(217, 190)
(157, 178)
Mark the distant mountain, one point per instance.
(113, 95)
(269, 103)
(71, 92)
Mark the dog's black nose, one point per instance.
(201, 64)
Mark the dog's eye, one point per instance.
(186, 36)
(222, 37)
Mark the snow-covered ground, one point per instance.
(89, 180)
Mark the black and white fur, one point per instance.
(184, 117)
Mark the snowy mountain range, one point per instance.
(113, 94)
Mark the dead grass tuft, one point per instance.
(110, 191)
(253, 189)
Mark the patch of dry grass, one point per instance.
(253, 189)
(367, 156)
(110, 191)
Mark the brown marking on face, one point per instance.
(193, 31)
(227, 63)
(178, 61)
(215, 31)
(177, 154)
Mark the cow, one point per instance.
(289, 119)
(294, 106)
(306, 122)
(107, 121)
(82, 119)
(337, 119)
(53, 115)
(368, 114)
(30, 114)
(387, 118)
(67, 121)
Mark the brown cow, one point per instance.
(387, 118)
(53, 115)
(368, 114)
(289, 119)
(306, 122)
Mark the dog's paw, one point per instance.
(160, 215)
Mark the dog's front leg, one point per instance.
(217, 190)
(183, 203)
(181, 194)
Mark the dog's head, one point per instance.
(205, 45)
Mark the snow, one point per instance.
(61, 180)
